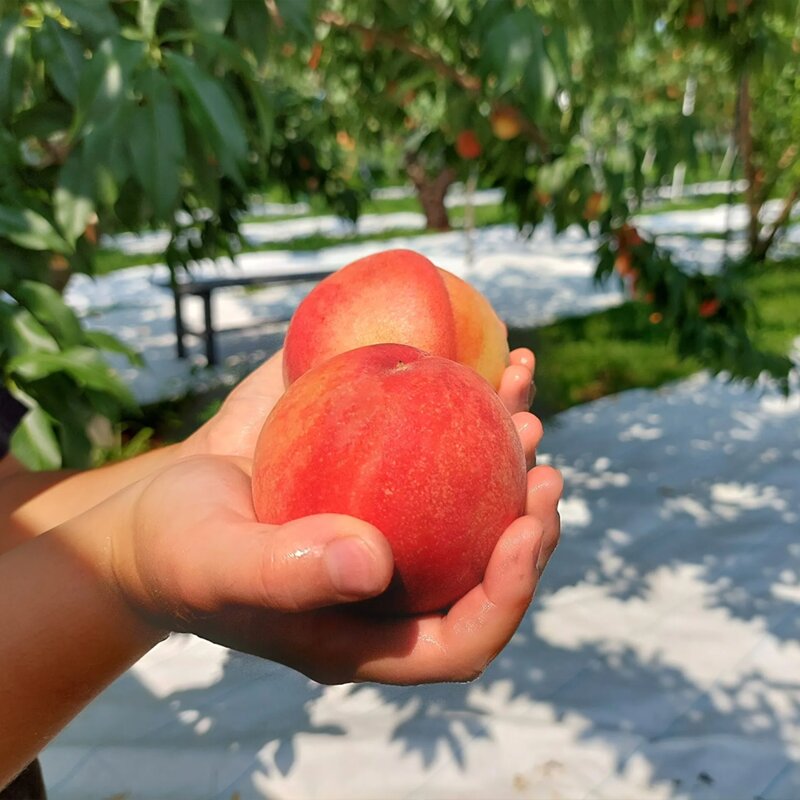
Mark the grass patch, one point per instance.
(585, 358)
(689, 203)
(108, 260)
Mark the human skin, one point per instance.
(34, 502)
(181, 550)
(69, 629)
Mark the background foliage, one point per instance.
(127, 115)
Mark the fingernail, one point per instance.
(531, 393)
(352, 566)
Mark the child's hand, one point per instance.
(195, 559)
(234, 429)
(517, 387)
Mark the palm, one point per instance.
(217, 572)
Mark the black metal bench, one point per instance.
(205, 287)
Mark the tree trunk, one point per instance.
(431, 191)
(753, 191)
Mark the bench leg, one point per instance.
(208, 334)
(180, 330)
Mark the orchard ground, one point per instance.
(531, 282)
(660, 659)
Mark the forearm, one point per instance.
(69, 634)
(34, 502)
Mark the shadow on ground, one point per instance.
(660, 659)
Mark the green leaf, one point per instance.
(72, 199)
(251, 24)
(557, 48)
(24, 332)
(157, 144)
(210, 16)
(213, 112)
(26, 228)
(96, 18)
(540, 84)
(49, 308)
(147, 16)
(297, 15)
(105, 153)
(265, 114)
(105, 81)
(42, 120)
(12, 33)
(76, 446)
(83, 364)
(510, 46)
(224, 53)
(34, 442)
(205, 181)
(63, 59)
(9, 155)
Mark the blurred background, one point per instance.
(620, 177)
(196, 121)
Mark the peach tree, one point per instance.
(579, 110)
(124, 116)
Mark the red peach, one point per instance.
(468, 146)
(417, 445)
(402, 297)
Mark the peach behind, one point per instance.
(396, 296)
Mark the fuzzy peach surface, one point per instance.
(417, 445)
(396, 296)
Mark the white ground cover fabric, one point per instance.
(661, 658)
(529, 280)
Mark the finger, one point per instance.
(545, 487)
(516, 388)
(263, 378)
(259, 391)
(530, 431)
(523, 357)
(436, 648)
(479, 625)
(305, 564)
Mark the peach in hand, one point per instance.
(419, 446)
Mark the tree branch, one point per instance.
(764, 244)
(401, 42)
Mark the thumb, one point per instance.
(309, 563)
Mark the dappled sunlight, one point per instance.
(132, 304)
(660, 658)
(661, 654)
